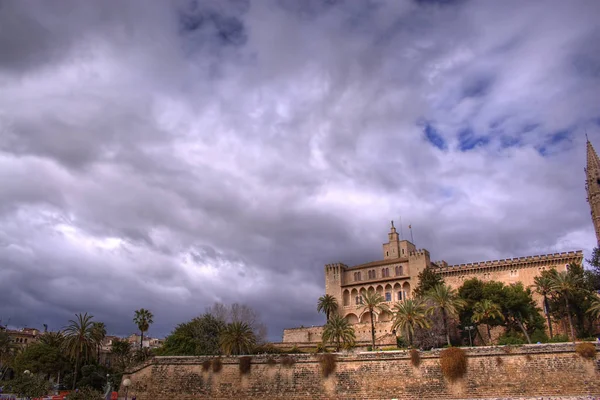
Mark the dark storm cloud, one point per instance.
(170, 155)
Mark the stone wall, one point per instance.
(383, 335)
(526, 371)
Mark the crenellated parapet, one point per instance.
(419, 253)
(517, 262)
(340, 266)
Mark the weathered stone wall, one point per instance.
(383, 334)
(527, 371)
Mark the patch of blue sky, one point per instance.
(467, 140)
(434, 137)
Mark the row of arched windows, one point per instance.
(397, 292)
(372, 273)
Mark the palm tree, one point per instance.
(543, 286)
(447, 300)
(565, 283)
(143, 320)
(328, 305)
(78, 340)
(52, 339)
(594, 309)
(121, 349)
(98, 333)
(372, 301)
(337, 330)
(484, 311)
(409, 314)
(237, 338)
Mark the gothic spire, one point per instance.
(593, 162)
(592, 186)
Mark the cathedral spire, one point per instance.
(592, 186)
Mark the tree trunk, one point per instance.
(446, 326)
(142, 339)
(76, 366)
(489, 333)
(372, 329)
(409, 336)
(569, 317)
(547, 312)
(518, 321)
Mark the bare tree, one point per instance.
(242, 313)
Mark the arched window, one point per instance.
(387, 272)
(388, 296)
(399, 295)
(383, 272)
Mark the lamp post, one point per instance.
(126, 383)
(469, 329)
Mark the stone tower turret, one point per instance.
(592, 186)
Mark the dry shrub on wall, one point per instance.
(327, 362)
(453, 362)
(271, 361)
(287, 361)
(586, 350)
(415, 358)
(499, 361)
(528, 357)
(245, 364)
(206, 365)
(217, 364)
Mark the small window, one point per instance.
(388, 296)
(400, 296)
(402, 251)
(387, 253)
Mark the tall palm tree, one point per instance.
(543, 286)
(143, 320)
(52, 339)
(327, 304)
(564, 284)
(447, 300)
(484, 311)
(237, 338)
(78, 340)
(98, 333)
(408, 315)
(594, 309)
(339, 331)
(373, 301)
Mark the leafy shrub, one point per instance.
(86, 393)
(321, 348)
(294, 350)
(401, 342)
(206, 365)
(499, 361)
(369, 348)
(453, 362)
(29, 385)
(508, 338)
(586, 350)
(245, 364)
(327, 362)
(267, 349)
(539, 335)
(415, 358)
(559, 339)
(287, 361)
(217, 364)
(271, 361)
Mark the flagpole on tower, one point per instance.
(411, 234)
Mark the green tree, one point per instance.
(594, 309)
(543, 286)
(237, 338)
(337, 330)
(520, 309)
(486, 311)
(42, 358)
(98, 334)
(328, 305)
(565, 283)
(408, 315)
(121, 350)
(428, 279)
(78, 340)
(200, 336)
(143, 320)
(447, 300)
(29, 385)
(6, 352)
(371, 302)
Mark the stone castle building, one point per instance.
(395, 276)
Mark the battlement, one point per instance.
(419, 253)
(439, 264)
(336, 265)
(567, 257)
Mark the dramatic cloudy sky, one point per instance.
(169, 155)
